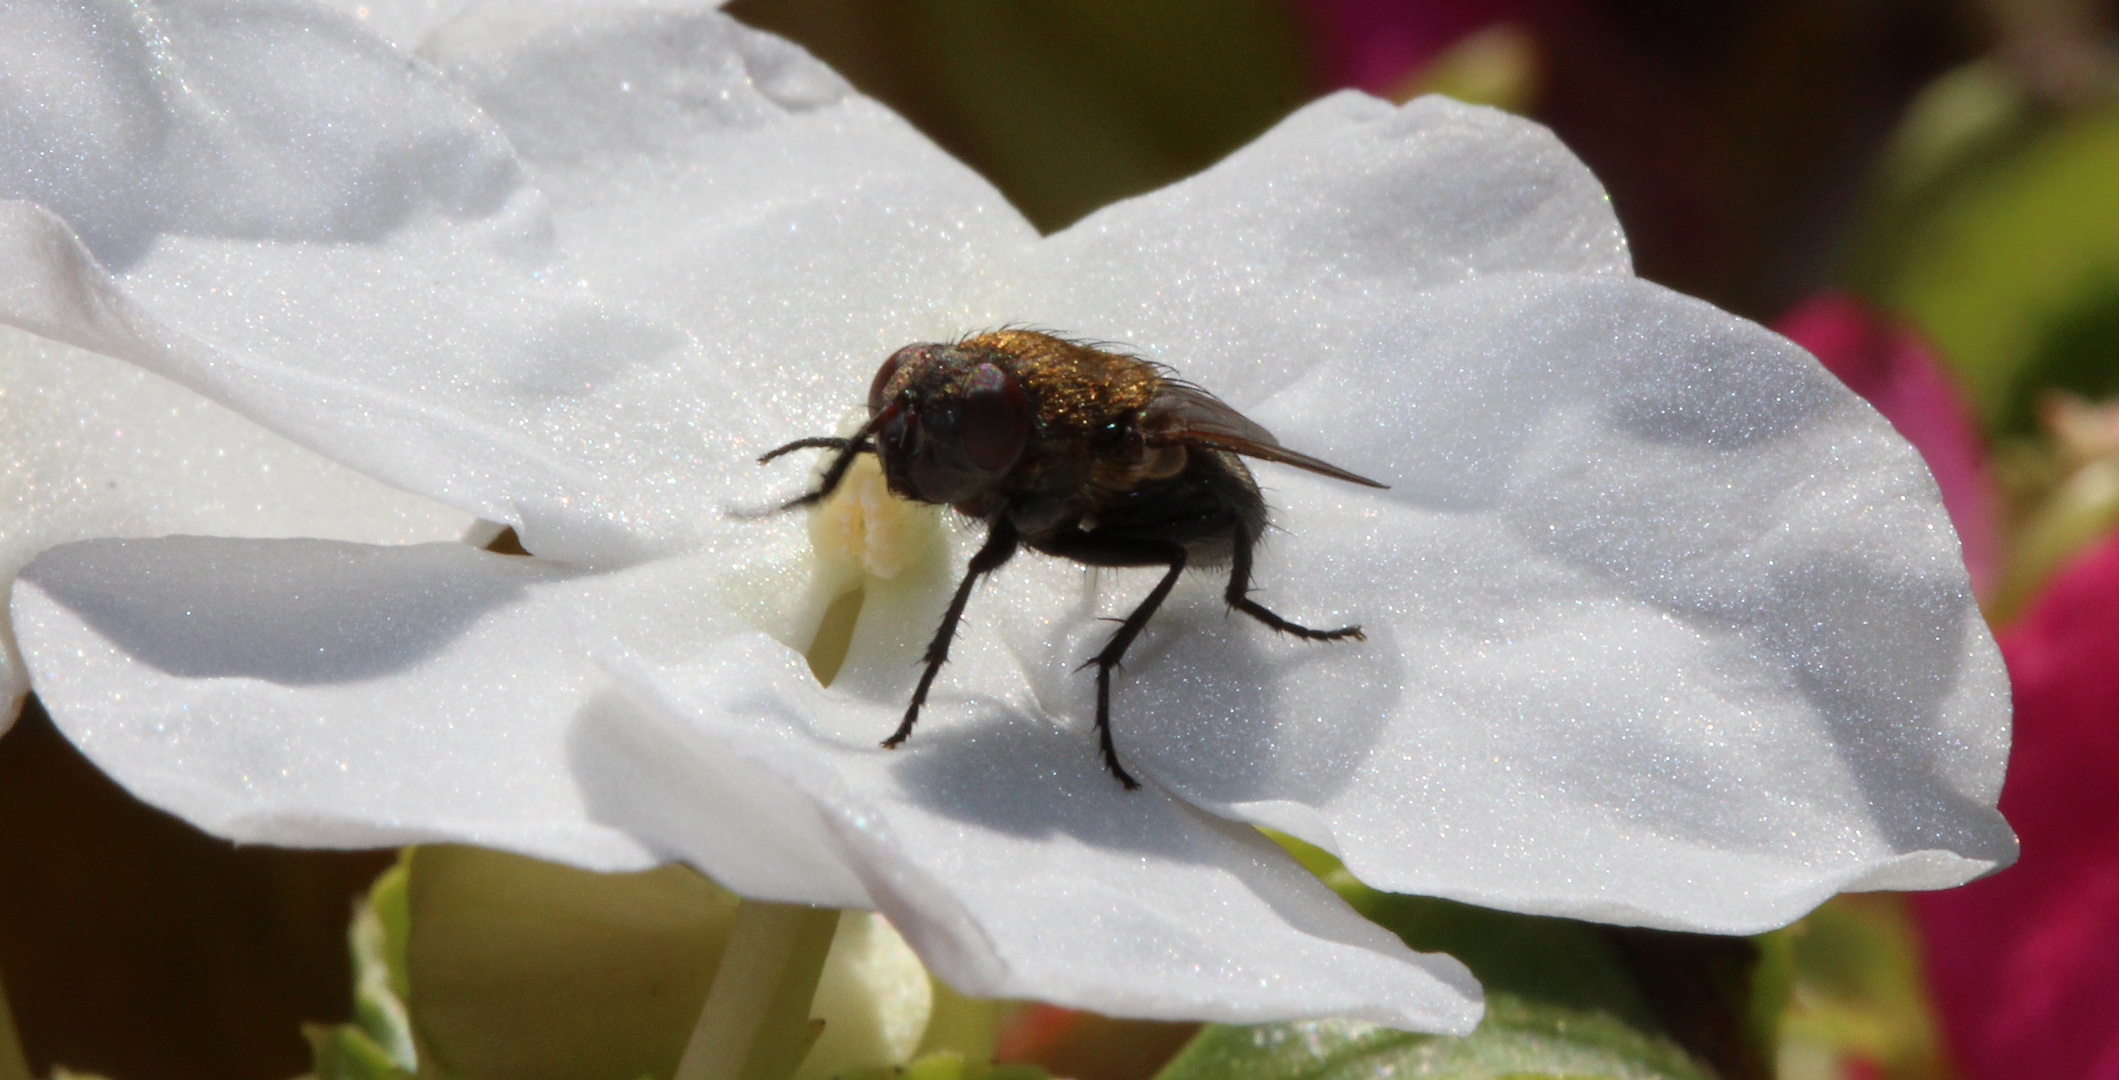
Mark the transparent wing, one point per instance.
(1183, 414)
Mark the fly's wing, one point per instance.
(1185, 415)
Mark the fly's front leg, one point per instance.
(1239, 598)
(847, 448)
(815, 442)
(1094, 550)
(1000, 546)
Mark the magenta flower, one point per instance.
(1374, 44)
(2025, 965)
(1890, 366)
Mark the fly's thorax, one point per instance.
(1076, 392)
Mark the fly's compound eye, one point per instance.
(886, 372)
(892, 430)
(995, 420)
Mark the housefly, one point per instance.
(1076, 451)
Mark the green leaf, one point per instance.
(378, 1044)
(2003, 246)
(949, 1065)
(345, 1052)
(2076, 346)
(1859, 991)
(1564, 999)
(389, 899)
(1560, 963)
(1518, 1039)
(1772, 988)
(377, 942)
(1561, 1002)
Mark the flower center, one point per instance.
(864, 537)
(864, 525)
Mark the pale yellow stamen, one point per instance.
(863, 536)
(865, 525)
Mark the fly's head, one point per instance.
(950, 423)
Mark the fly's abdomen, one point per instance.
(1204, 507)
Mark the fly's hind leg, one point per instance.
(1094, 550)
(1000, 546)
(1239, 597)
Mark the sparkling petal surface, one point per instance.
(267, 204)
(724, 180)
(1892, 369)
(1279, 257)
(98, 447)
(1675, 634)
(321, 693)
(342, 246)
(405, 23)
(400, 296)
(1016, 867)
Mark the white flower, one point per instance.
(1664, 626)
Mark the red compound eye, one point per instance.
(996, 420)
(884, 373)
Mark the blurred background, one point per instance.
(1925, 193)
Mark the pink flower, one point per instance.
(1374, 44)
(2025, 964)
(1891, 367)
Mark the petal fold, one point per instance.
(1016, 867)
(331, 240)
(726, 181)
(98, 447)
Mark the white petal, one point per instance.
(405, 23)
(1014, 865)
(727, 182)
(1249, 273)
(283, 213)
(333, 694)
(1664, 626)
(328, 239)
(98, 447)
(324, 694)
